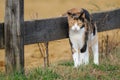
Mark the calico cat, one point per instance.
(82, 35)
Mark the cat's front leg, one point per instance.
(84, 58)
(75, 52)
(75, 57)
(84, 54)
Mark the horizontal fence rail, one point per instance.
(57, 28)
(45, 30)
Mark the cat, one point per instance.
(82, 36)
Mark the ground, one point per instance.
(38, 9)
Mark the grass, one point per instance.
(64, 70)
(90, 72)
(36, 74)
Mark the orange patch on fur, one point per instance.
(71, 22)
(75, 11)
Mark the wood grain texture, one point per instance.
(45, 30)
(14, 33)
(57, 28)
(108, 20)
(2, 41)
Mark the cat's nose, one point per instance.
(75, 28)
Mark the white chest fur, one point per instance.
(77, 37)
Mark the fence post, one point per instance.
(14, 32)
(2, 45)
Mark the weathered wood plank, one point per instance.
(56, 28)
(45, 30)
(108, 20)
(14, 33)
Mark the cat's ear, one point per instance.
(69, 13)
(82, 13)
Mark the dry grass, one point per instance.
(58, 50)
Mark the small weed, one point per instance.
(41, 74)
(15, 76)
(37, 74)
(106, 67)
(2, 76)
(66, 63)
(90, 77)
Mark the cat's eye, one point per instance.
(80, 23)
(71, 23)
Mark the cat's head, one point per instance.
(77, 18)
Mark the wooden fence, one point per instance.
(15, 32)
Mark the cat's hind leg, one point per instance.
(95, 51)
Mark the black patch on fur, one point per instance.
(82, 26)
(94, 33)
(81, 19)
(94, 28)
(83, 49)
(86, 36)
(87, 15)
(70, 45)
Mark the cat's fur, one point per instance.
(82, 35)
